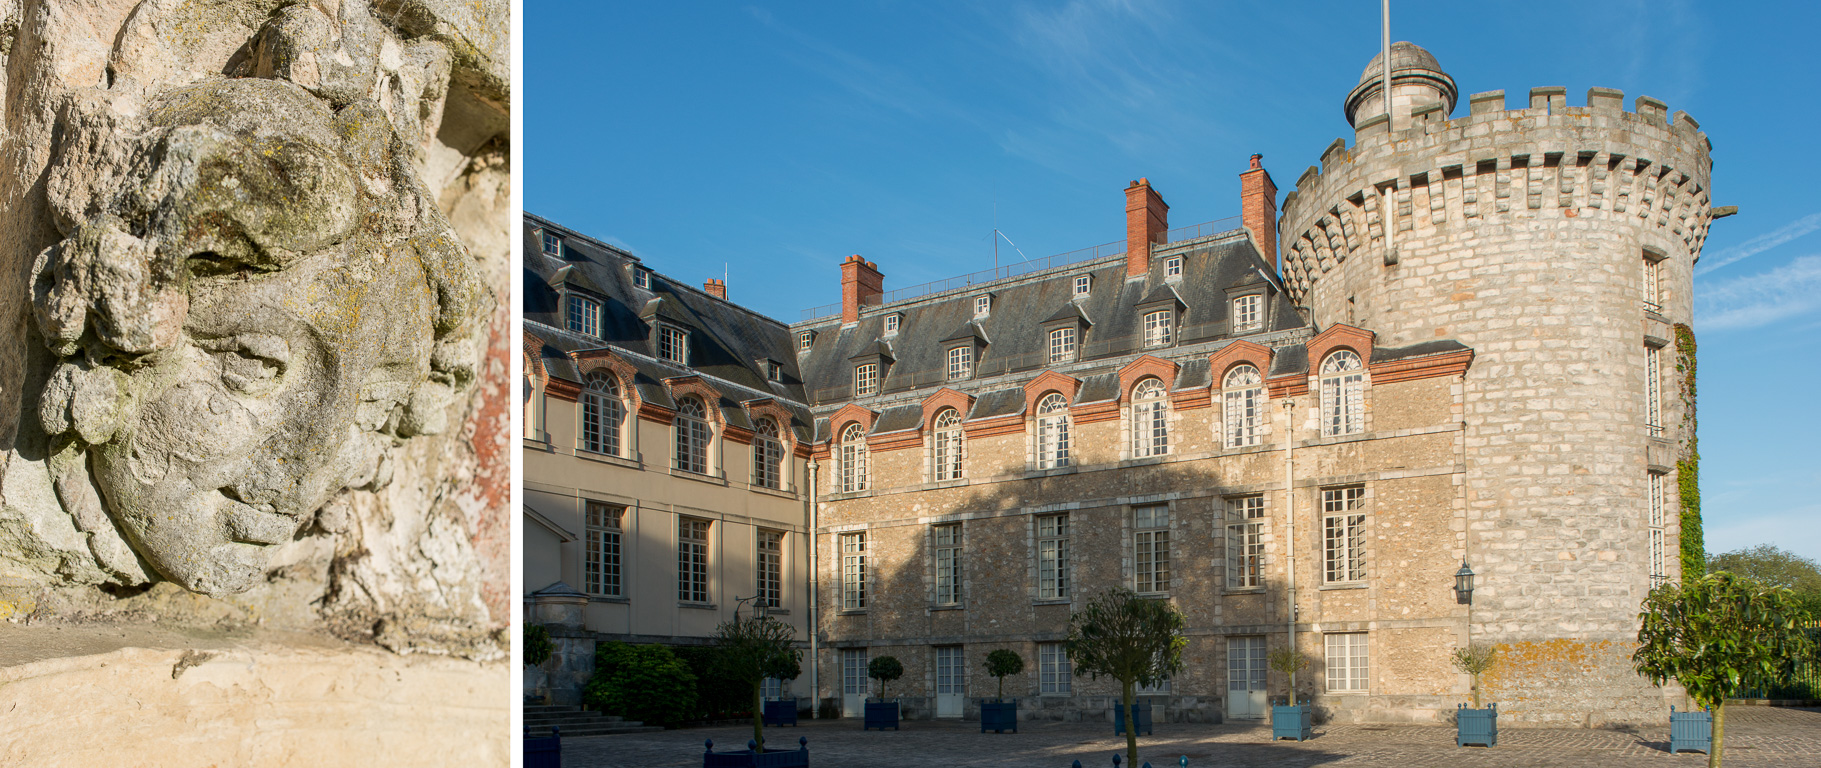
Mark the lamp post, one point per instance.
(1463, 584)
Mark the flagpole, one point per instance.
(1385, 53)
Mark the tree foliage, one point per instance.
(1775, 567)
(884, 669)
(1288, 661)
(1135, 640)
(641, 682)
(751, 649)
(1475, 660)
(1718, 635)
(537, 645)
(1001, 663)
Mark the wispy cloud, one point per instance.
(1791, 290)
(1761, 243)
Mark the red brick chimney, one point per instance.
(1258, 207)
(716, 288)
(1147, 218)
(861, 284)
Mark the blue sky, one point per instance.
(772, 141)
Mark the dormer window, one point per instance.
(891, 323)
(866, 379)
(553, 245)
(584, 315)
(983, 304)
(1083, 284)
(1062, 345)
(672, 344)
(641, 278)
(773, 371)
(960, 363)
(804, 339)
(1172, 267)
(1159, 328)
(1248, 313)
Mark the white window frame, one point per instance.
(673, 344)
(1053, 670)
(853, 458)
(1245, 542)
(1083, 285)
(1348, 657)
(603, 566)
(960, 363)
(947, 551)
(1151, 549)
(1653, 284)
(1172, 267)
(552, 243)
(583, 315)
(767, 455)
(774, 371)
(1053, 449)
(1243, 406)
(1053, 557)
(1248, 313)
(692, 559)
(641, 278)
(1656, 522)
(853, 571)
(1343, 394)
(983, 305)
(1343, 534)
(950, 446)
(1062, 345)
(1150, 419)
(1159, 328)
(891, 323)
(693, 435)
(854, 681)
(770, 576)
(602, 414)
(866, 379)
(805, 340)
(1653, 391)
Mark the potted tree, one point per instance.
(1293, 719)
(752, 649)
(883, 713)
(1132, 639)
(1000, 715)
(1476, 725)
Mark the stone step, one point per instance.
(601, 729)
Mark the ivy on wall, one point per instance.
(1688, 466)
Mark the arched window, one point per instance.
(1150, 420)
(948, 445)
(1245, 404)
(1052, 431)
(853, 459)
(692, 436)
(1343, 394)
(602, 413)
(767, 454)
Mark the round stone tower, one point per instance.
(1558, 242)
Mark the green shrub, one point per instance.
(718, 697)
(537, 645)
(641, 682)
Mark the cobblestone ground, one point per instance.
(1755, 736)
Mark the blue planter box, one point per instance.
(999, 716)
(1141, 711)
(783, 712)
(1292, 722)
(544, 753)
(750, 758)
(881, 715)
(1691, 731)
(1476, 726)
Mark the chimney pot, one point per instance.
(1258, 208)
(861, 284)
(716, 288)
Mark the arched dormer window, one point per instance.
(853, 459)
(767, 454)
(948, 445)
(692, 435)
(1150, 419)
(602, 413)
(1052, 431)
(1343, 394)
(1244, 392)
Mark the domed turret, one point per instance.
(1417, 80)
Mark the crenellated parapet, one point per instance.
(1642, 167)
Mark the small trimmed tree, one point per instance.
(752, 649)
(1001, 663)
(1475, 660)
(884, 669)
(1288, 661)
(537, 645)
(1718, 635)
(1132, 639)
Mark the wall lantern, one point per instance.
(1463, 584)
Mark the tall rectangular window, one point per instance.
(853, 672)
(771, 568)
(1053, 557)
(1247, 314)
(853, 571)
(1151, 547)
(692, 560)
(1346, 657)
(1245, 542)
(670, 344)
(601, 576)
(1062, 345)
(1655, 523)
(866, 379)
(960, 363)
(1053, 668)
(1343, 534)
(584, 315)
(1653, 391)
(1653, 296)
(1157, 327)
(948, 564)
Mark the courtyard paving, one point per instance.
(1755, 736)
